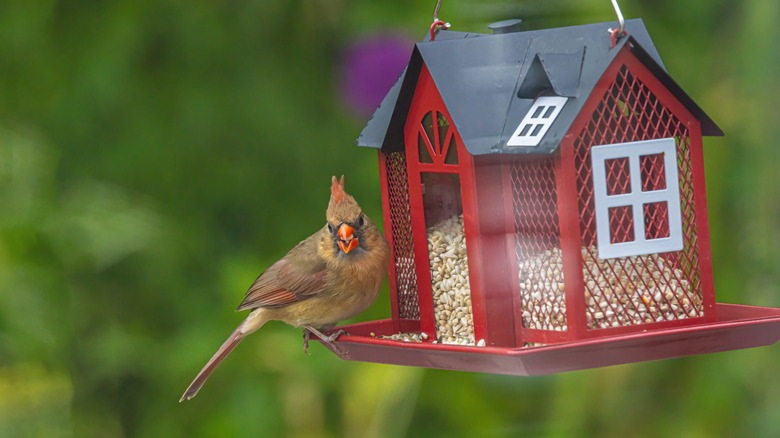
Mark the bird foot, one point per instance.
(329, 339)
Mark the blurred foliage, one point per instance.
(155, 156)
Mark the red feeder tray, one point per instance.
(737, 327)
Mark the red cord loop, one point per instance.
(434, 26)
(615, 35)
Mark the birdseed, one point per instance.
(639, 290)
(618, 292)
(450, 282)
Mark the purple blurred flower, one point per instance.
(369, 68)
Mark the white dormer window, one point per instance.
(537, 121)
(636, 198)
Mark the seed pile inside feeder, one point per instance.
(636, 290)
(542, 291)
(618, 292)
(450, 282)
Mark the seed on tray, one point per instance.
(404, 337)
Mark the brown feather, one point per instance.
(232, 341)
(298, 275)
(254, 321)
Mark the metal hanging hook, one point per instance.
(616, 34)
(620, 17)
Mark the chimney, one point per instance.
(506, 26)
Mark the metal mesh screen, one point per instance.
(638, 289)
(537, 242)
(401, 226)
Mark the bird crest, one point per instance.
(337, 193)
(342, 207)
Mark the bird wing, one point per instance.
(297, 276)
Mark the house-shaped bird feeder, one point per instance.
(543, 195)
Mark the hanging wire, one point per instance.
(437, 24)
(436, 10)
(616, 34)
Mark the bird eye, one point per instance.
(331, 228)
(361, 220)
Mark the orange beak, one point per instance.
(347, 242)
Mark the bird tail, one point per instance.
(254, 321)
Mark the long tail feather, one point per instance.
(254, 321)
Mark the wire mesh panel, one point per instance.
(537, 242)
(649, 288)
(401, 226)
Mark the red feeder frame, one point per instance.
(544, 294)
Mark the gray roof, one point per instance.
(488, 82)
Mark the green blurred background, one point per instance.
(156, 155)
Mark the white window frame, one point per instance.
(524, 134)
(636, 198)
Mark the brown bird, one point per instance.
(331, 276)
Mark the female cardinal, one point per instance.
(331, 276)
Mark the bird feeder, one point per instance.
(544, 199)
